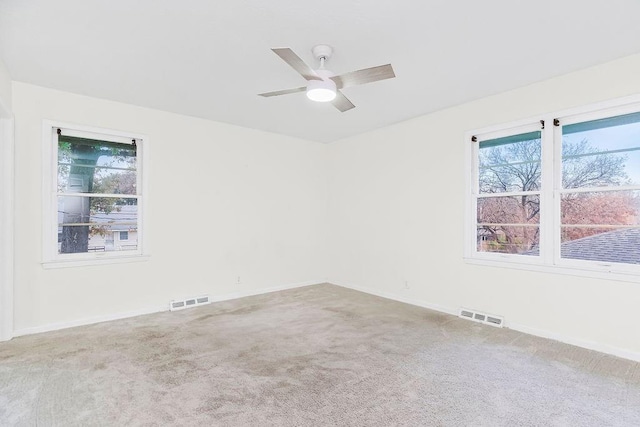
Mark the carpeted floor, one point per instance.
(315, 356)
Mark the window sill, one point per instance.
(94, 261)
(594, 273)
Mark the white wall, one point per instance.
(396, 214)
(5, 90)
(224, 202)
(6, 206)
(228, 202)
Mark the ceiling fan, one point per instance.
(324, 85)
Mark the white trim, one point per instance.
(508, 194)
(590, 345)
(503, 129)
(6, 227)
(612, 188)
(90, 132)
(545, 214)
(106, 259)
(605, 271)
(612, 109)
(243, 294)
(548, 117)
(50, 256)
(89, 321)
(500, 257)
(511, 129)
(469, 194)
(472, 188)
(399, 298)
(154, 309)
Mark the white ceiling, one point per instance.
(209, 58)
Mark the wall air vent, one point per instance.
(465, 313)
(487, 319)
(494, 320)
(189, 302)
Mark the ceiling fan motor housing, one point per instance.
(322, 90)
(322, 51)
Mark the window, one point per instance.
(94, 191)
(508, 199)
(600, 189)
(559, 192)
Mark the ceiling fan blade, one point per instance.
(366, 75)
(296, 63)
(342, 103)
(283, 92)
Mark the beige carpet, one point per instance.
(314, 356)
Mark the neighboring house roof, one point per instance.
(614, 246)
(126, 213)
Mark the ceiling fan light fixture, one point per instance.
(322, 84)
(321, 90)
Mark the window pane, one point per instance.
(601, 244)
(87, 224)
(510, 164)
(522, 240)
(591, 226)
(600, 208)
(601, 153)
(509, 224)
(509, 210)
(92, 166)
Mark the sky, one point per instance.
(615, 138)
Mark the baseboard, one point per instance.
(7, 336)
(399, 298)
(243, 294)
(88, 321)
(589, 345)
(150, 310)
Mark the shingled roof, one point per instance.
(614, 246)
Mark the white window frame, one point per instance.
(551, 156)
(475, 191)
(50, 256)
